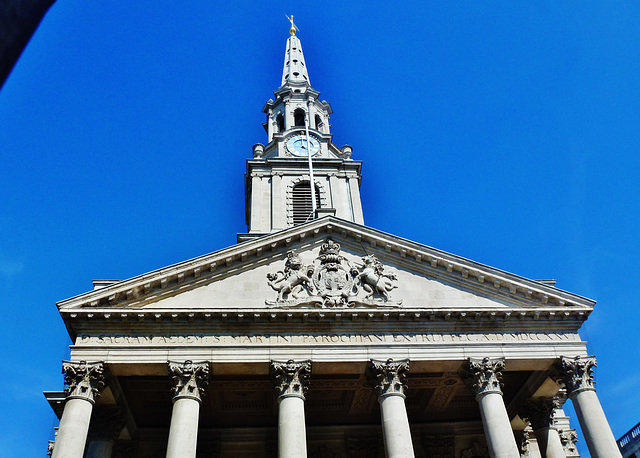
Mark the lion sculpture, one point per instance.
(293, 280)
(373, 278)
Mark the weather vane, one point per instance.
(293, 28)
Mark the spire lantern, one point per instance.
(295, 69)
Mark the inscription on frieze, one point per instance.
(332, 281)
(346, 338)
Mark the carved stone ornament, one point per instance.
(190, 379)
(539, 412)
(106, 423)
(483, 375)
(524, 440)
(576, 373)
(332, 281)
(388, 377)
(568, 438)
(85, 380)
(291, 378)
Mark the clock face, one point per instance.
(297, 146)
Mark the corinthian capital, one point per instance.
(576, 373)
(85, 380)
(388, 377)
(539, 411)
(291, 378)
(189, 378)
(483, 375)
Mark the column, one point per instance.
(539, 412)
(86, 381)
(190, 379)
(291, 380)
(389, 380)
(577, 376)
(483, 376)
(107, 422)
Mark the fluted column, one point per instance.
(539, 412)
(190, 379)
(86, 381)
(389, 380)
(291, 380)
(577, 376)
(483, 376)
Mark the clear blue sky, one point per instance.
(504, 132)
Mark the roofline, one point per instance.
(447, 264)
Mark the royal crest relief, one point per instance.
(332, 281)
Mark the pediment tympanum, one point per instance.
(328, 263)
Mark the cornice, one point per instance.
(103, 320)
(492, 282)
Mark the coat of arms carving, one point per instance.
(331, 280)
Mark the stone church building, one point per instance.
(316, 335)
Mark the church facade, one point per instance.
(318, 336)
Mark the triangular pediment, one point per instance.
(418, 278)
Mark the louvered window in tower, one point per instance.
(301, 201)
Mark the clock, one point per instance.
(297, 145)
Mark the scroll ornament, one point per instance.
(85, 380)
(291, 378)
(483, 375)
(388, 377)
(189, 379)
(332, 281)
(576, 373)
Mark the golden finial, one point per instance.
(293, 28)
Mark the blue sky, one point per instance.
(504, 132)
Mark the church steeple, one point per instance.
(295, 69)
(277, 182)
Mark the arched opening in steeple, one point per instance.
(319, 122)
(301, 202)
(298, 117)
(280, 122)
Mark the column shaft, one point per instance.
(389, 380)
(483, 377)
(292, 441)
(594, 425)
(183, 432)
(190, 380)
(291, 380)
(549, 443)
(395, 427)
(74, 426)
(85, 381)
(497, 427)
(577, 376)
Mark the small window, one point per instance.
(301, 201)
(319, 123)
(298, 118)
(280, 122)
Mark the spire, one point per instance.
(295, 69)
